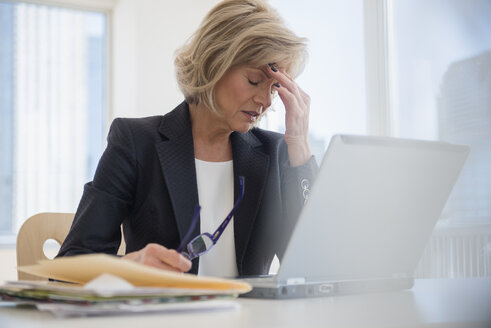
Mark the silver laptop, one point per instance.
(371, 211)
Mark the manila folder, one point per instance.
(83, 268)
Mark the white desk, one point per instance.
(435, 303)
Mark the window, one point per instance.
(52, 107)
(440, 83)
(441, 87)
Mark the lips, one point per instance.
(251, 115)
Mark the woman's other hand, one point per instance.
(297, 107)
(158, 256)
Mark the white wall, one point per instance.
(146, 34)
(8, 269)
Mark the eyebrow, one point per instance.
(258, 70)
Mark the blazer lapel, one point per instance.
(253, 164)
(176, 155)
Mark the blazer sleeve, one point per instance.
(295, 188)
(108, 199)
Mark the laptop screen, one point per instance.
(372, 208)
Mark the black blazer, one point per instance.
(146, 180)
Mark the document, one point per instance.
(70, 310)
(84, 268)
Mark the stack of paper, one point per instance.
(103, 284)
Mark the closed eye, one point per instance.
(253, 83)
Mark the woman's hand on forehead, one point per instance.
(297, 108)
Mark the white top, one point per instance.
(216, 197)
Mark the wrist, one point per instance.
(299, 154)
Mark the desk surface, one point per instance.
(431, 302)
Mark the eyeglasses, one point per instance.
(202, 243)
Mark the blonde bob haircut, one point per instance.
(233, 33)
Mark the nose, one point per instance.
(263, 96)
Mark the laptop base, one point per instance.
(308, 290)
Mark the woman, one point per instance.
(156, 170)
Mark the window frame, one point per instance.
(103, 6)
(380, 99)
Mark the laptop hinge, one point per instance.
(295, 281)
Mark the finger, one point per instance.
(290, 100)
(287, 75)
(176, 260)
(143, 257)
(169, 257)
(157, 263)
(305, 97)
(286, 96)
(302, 99)
(283, 79)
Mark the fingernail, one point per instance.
(272, 66)
(276, 85)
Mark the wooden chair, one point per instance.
(34, 233)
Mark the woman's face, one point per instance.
(242, 95)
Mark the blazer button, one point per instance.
(305, 184)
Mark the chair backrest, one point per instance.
(34, 233)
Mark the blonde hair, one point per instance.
(235, 32)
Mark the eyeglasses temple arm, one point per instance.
(225, 222)
(185, 240)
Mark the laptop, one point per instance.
(370, 213)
